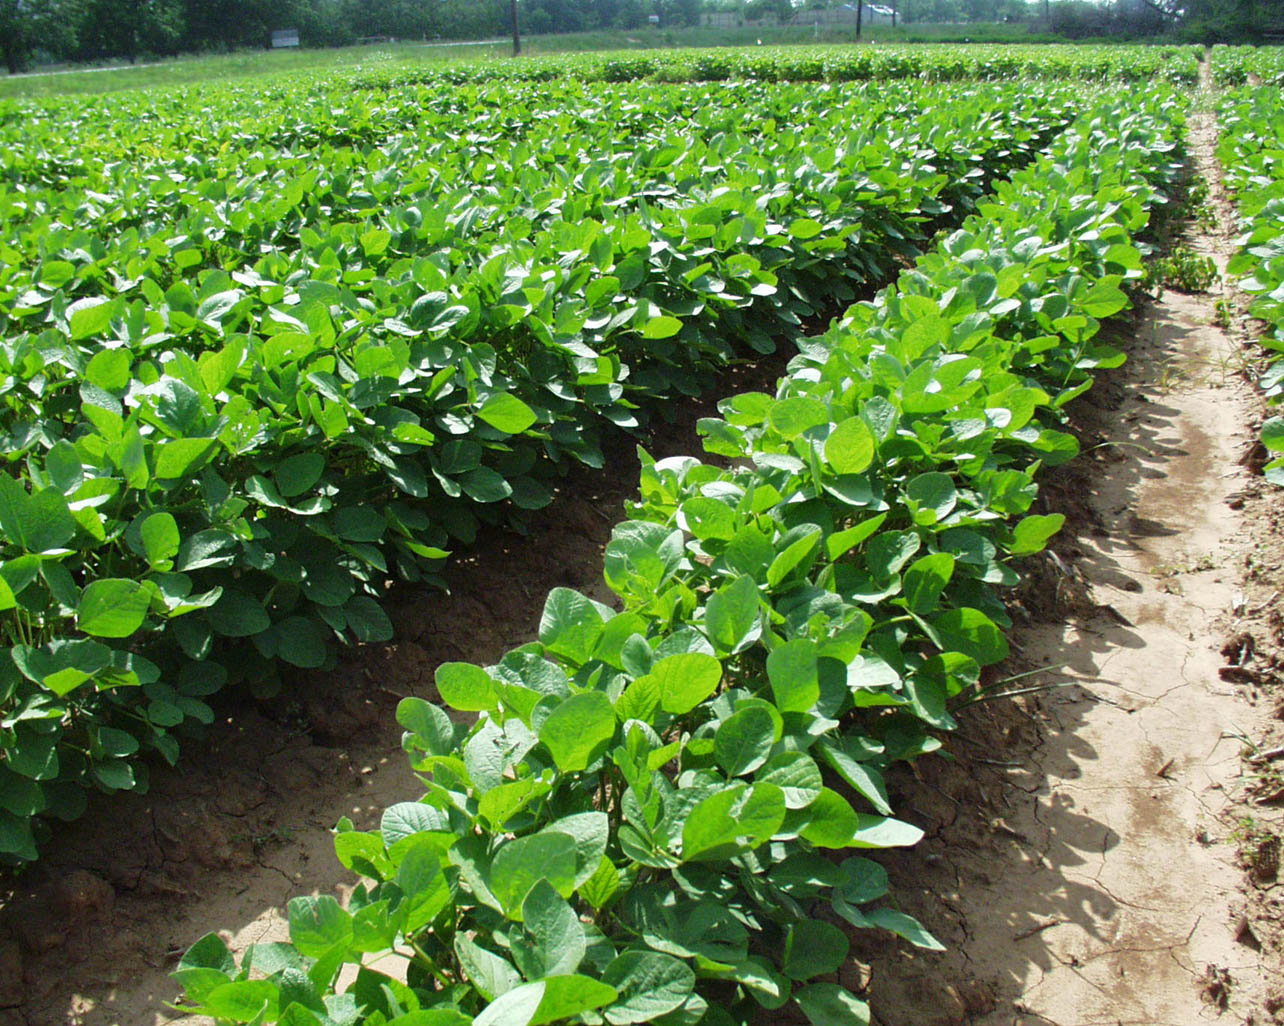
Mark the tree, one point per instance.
(46, 25)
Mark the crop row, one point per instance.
(244, 389)
(1251, 151)
(943, 63)
(1233, 65)
(639, 824)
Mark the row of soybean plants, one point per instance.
(1232, 65)
(1251, 151)
(934, 62)
(247, 383)
(649, 817)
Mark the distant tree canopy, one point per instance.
(56, 30)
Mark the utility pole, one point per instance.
(860, 6)
(517, 40)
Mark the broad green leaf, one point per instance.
(570, 625)
(160, 539)
(849, 449)
(566, 997)
(486, 971)
(578, 730)
(827, 1004)
(297, 474)
(736, 819)
(90, 317)
(506, 413)
(113, 607)
(685, 680)
(1031, 533)
(745, 739)
(465, 687)
(318, 924)
(792, 417)
(925, 579)
(522, 863)
(813, 947)
(661, 327)
(648, 984)
(731, 616)
(830, 821)
(180, 458)
(797, 776)
(555, 943)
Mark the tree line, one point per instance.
(41, 31)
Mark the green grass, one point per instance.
(249, 63)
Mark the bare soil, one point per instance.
(1103, 850)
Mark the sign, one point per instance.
(285, 37)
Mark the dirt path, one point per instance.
(1088, 860)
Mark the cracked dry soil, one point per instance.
(1082, 858)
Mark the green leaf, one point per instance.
(555, 943)
(297, 474)
(160, 540)
(522, 863)
(599, 888)
(648, 985)
(516, 1008)
(570, 625)
(792, 417)
(800, 547)
(685, 680)
(971, 632)
(797, 776)
(39, 522)
(934, 497)
(90, 317)
(1273, 434)
(1104, 299)
(849, 449)
(507, 413)
(430, 727)
(238, 615)
(405, 819)
(736, 819)
(566, 997)
(465, 687)
(578, 730)
(1031, 533)
(792, 669)
(904, 926)
(745, 738)
(420, 879)
(180, 458)
(924, 581)
(827, 1004)
(492, 975)
(830, 821)
(318, 924)
(591, 831)
(243, 1001)
(301, 642)
(367, 620)
(864, 779)
(884, 832)
(805, 228)
(813, 947)
(661, 327)
(113, 607)
(731, 616)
